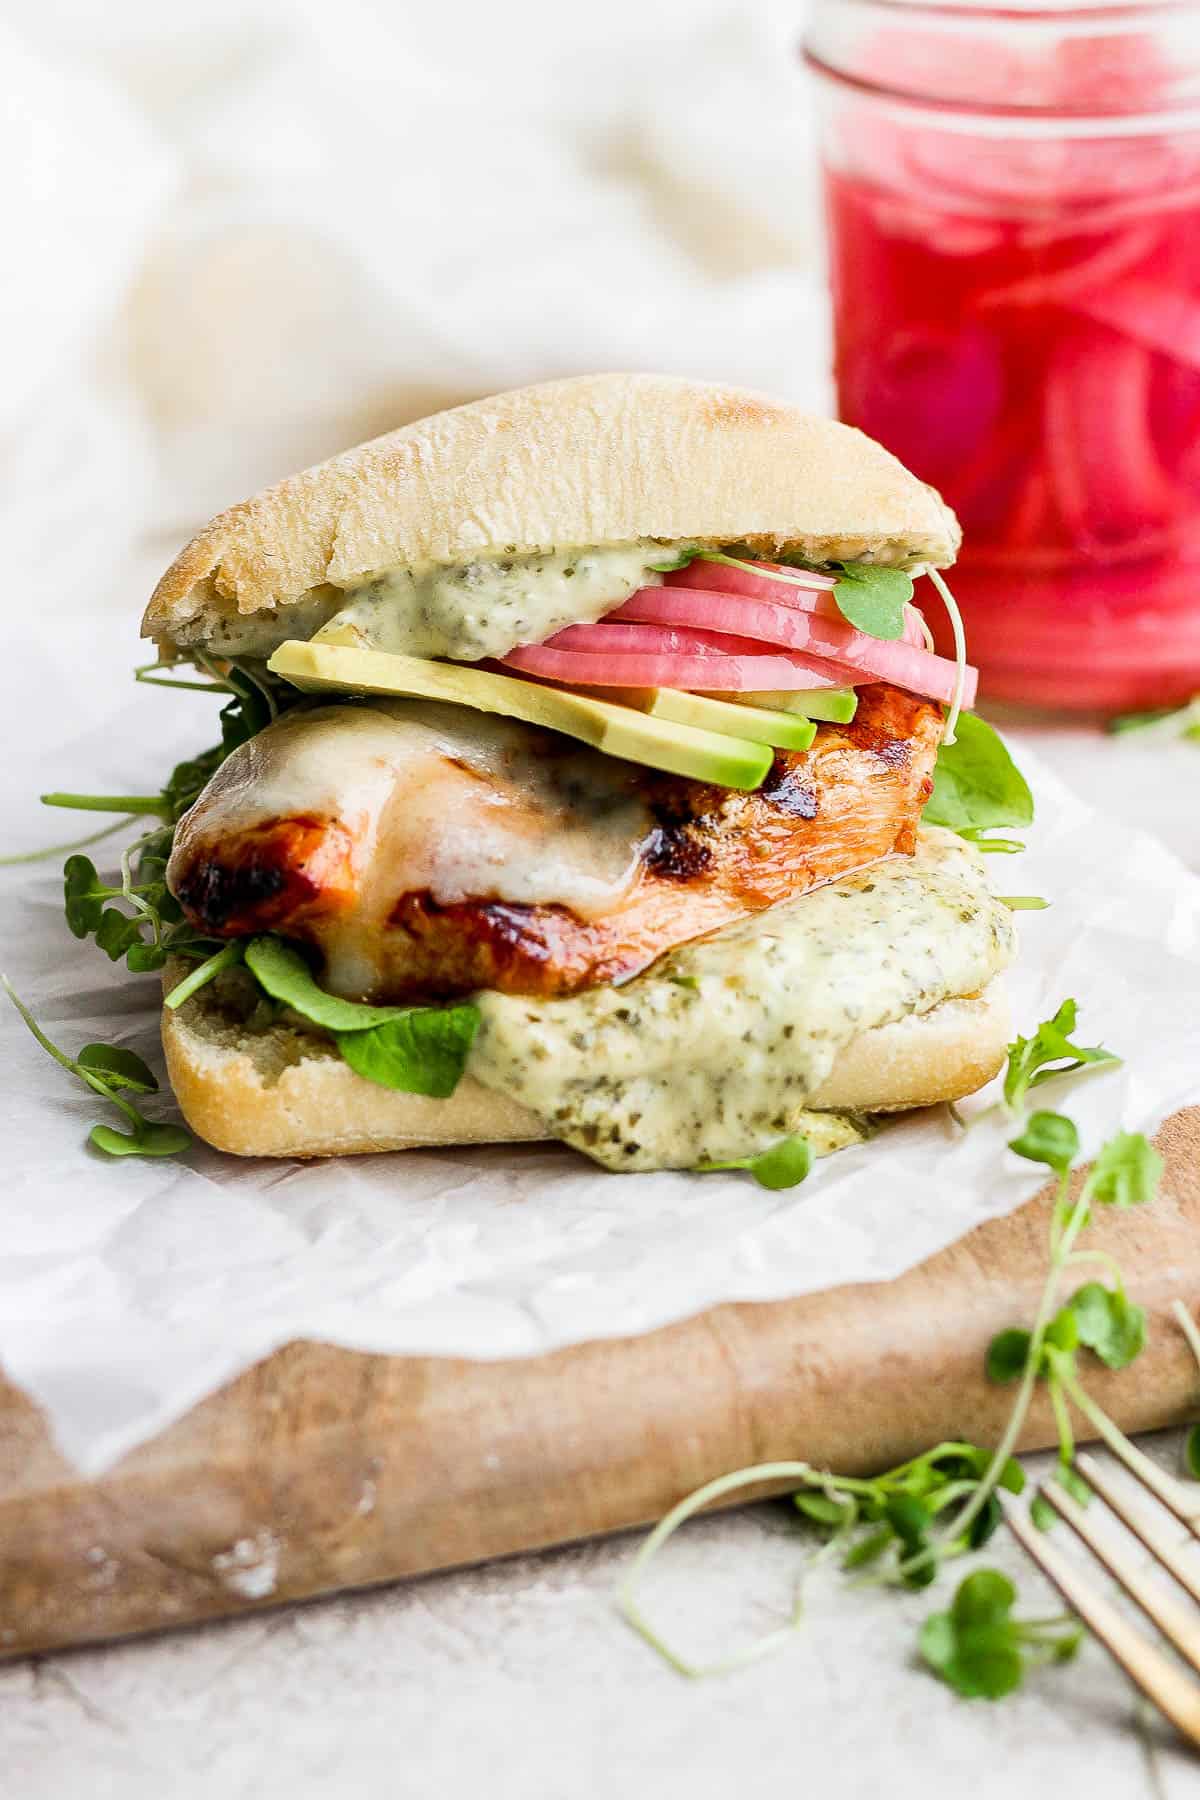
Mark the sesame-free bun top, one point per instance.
(594, 461)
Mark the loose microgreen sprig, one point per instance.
(873, 598)
(113, 1072)
(898, 1529)
(980, 1650)
(1125, 1173)
(1048, 1054)
(867, 1521)
(784, 1165)
(139, 919)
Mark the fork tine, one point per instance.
(1164, 1487)
(1139, 1521)
(1176, 1622)
(1145, 1664)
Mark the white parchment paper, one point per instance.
(128, 1290)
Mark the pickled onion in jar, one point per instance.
(1015, 260)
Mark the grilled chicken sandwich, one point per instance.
(572, 787)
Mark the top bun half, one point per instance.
(593, 461)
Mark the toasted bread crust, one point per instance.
(596, 460)
(288, 1092)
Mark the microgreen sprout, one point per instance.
(1125, 1173)
(1049, 1053)
(980, 1650)
(113, 1072)
(83, 843)
(784, 1165)
(873, 598)
(203, 973)
(865, 1522)
(898, 1529)
(950, 735)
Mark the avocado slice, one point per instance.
(679, 749)
(787, 731)
(836, 704)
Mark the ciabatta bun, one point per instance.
(595, 461)
(286, 1092)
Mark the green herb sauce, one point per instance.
(488, 607)
(715, 1052)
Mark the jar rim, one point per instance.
(833, 52)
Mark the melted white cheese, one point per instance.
(438, 798)
(713, 1052)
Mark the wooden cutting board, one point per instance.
(321, 1469)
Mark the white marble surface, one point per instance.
(519, 1680)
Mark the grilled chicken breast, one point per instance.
(425, 850)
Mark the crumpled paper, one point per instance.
(129, 1290)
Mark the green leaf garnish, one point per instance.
(1042, 1513)
(283, 973)
(1050, 1052)
(1108, 1323)
(1048, 1138)
(1127, 1171)
(980, 1650)
(110, 1070)
(873, 598)
(145, 1140)
(1023, 902)
(120, 1067)
(203, 973)
(1007, 1355)
(416, 1049)
(977, 787)
(824, 1509)
(423, 1052)
(784, 1165)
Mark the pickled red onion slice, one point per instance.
(1077, 283)
(1106, 476)
(703, 667)
(686, 656)
(720, 608)
(1160, 317)
(904, 663)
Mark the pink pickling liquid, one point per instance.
(1018, 318)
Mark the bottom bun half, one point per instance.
(283, 1091)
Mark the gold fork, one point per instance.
(1158, 1676)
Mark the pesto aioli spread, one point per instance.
(467, 611)
(464, 611)
(713, 1052)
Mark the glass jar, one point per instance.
(1013, 200)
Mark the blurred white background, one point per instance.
(245, 233)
